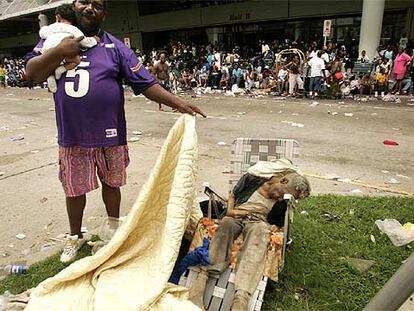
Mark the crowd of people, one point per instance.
(288, 69)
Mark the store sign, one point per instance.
(127, 42)
(327, 25)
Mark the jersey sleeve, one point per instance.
(134, 72)
(35, 52)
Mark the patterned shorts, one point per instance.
(79, 167)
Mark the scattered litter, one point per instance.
(221, 143)
(11, 245)
(294, 124)
(351, 212)
(26, 252)
(84, 230)
(35, 151)
(137, 133)
(304, 213)
(19, 137)
(295, 114)
(356, 191)
(372, 239)
(398, 234)
(48, 246)
(341, 103)
(4, 128)
(392, 181)
(348, 114)
(390, 143)
(314, 104)
(333, 113)
(20, 236)
(134, 139)
(34, 98)
(10, 94)
(43, 200)
(241, 113)
(331, 216)
(2, 173)
(344, 180)
(360, 265)
(226, 171)
(296, 296)
(385, 172)
(51, 109)
(373, 114)
(331, 177)
(4, 255)
(15, 269)
(396, 129)
(389, 98)
(398, 175)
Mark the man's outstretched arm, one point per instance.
(158, 94)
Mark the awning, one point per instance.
(16, 8)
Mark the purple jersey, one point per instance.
(90, 98)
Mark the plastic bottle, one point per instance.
(15, 269)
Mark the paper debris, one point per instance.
(20, 236)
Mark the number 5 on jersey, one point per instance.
(83, 81)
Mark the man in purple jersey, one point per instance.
(90, 114)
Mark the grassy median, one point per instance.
(320, 271)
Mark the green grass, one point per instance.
(316, 269)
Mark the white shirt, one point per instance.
(313, 54)
(217, 59)
(282, 74)
(325, 57)
(317, 65)
(265, 48)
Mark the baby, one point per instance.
(55, 33)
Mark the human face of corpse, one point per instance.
(89, 15)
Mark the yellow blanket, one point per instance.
(132, 271)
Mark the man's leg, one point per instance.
(251, 262)
(75, 207)
(112, 200)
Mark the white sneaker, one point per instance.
(72, 246)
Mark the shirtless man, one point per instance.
(161, 72)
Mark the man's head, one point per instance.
(163, 57)
(292, 183)
(90, 15)
(363, 52)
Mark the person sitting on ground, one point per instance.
(253, 202)
(53, 34)
(366, 84)
(354, 85)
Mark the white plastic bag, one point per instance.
(395, 231)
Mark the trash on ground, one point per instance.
(396, 129)
(333, 113)
(390, 143)
(372, 238)
(331, 177)
(392, 181)
(241, 113)
(331, 216)
(134, 139)
(15, 269)
(48, 246)
(352, 212)
(385, 172)
(304, 213)
(226, 171)
(20, 236)
(314, 104)
(43, 200)
(344, 180)
(137, 133)
(221, 143)
(360, 265)
(398, 234)
(35, 151)
(398, 175)
(357, 191)
(2, 173)
(348, 114)
(84, 230)
(26, 252)
(51, 109)
(19, 137)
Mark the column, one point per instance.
(371, 26)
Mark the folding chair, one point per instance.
(219, 291)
